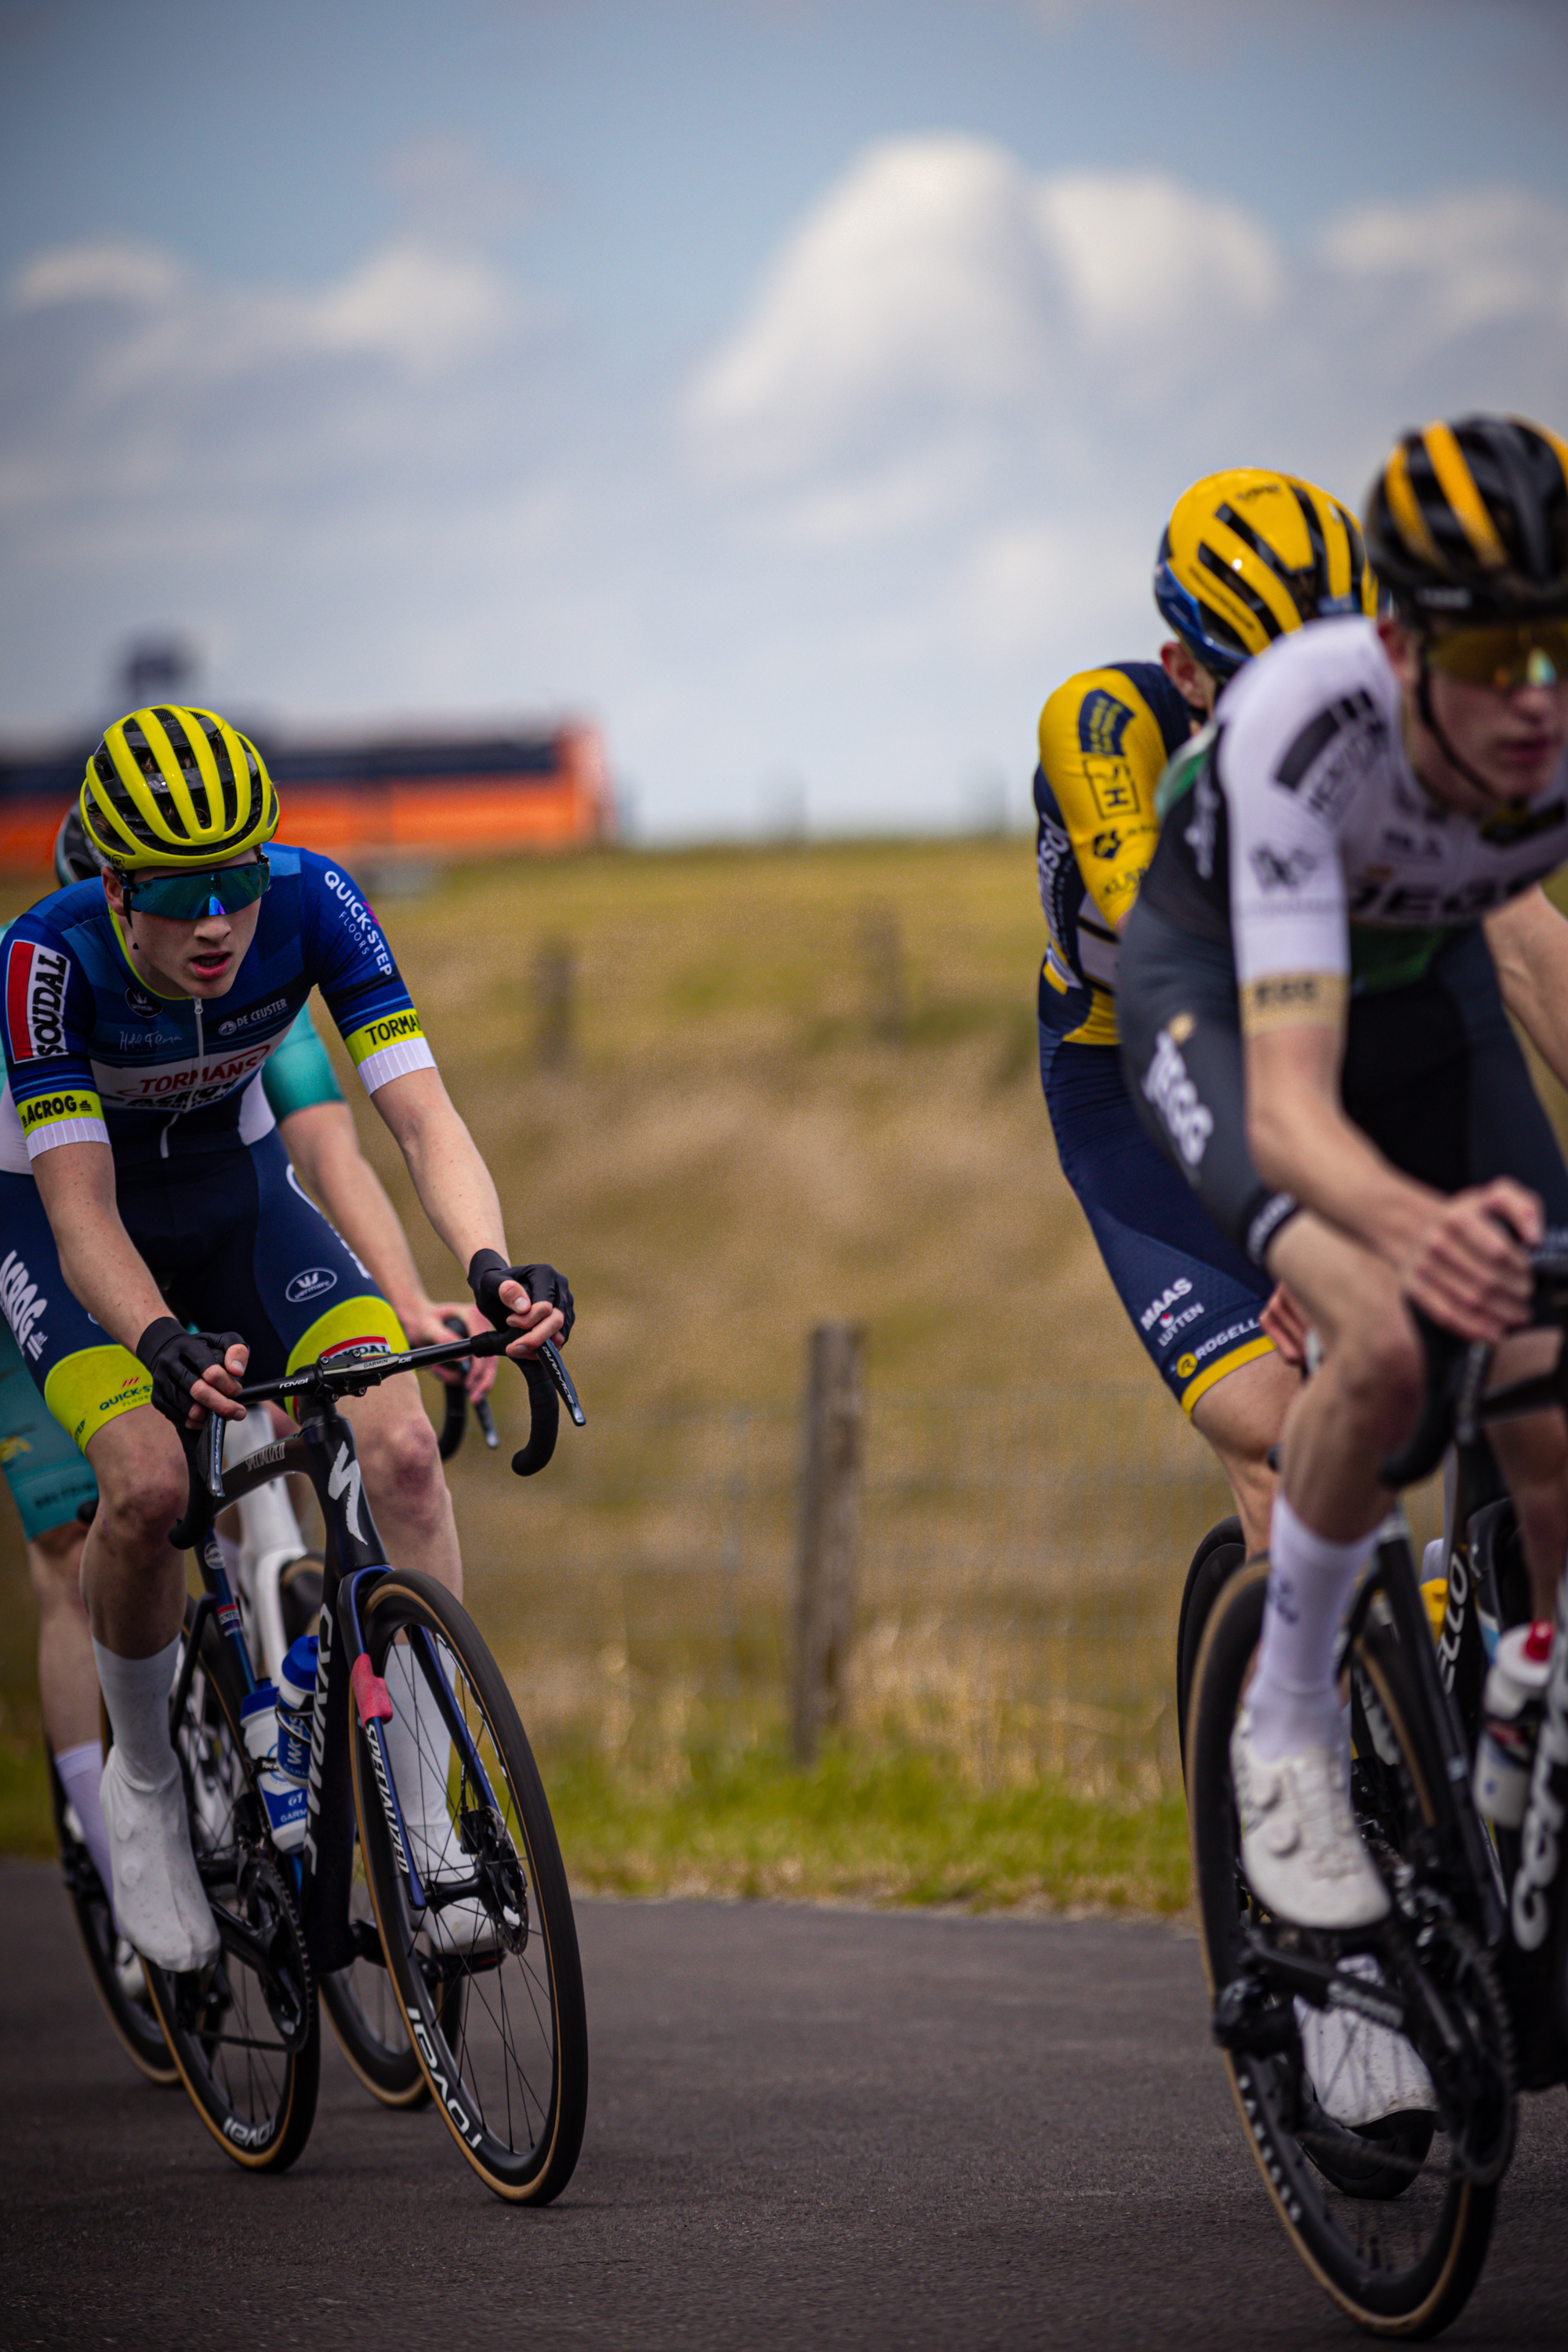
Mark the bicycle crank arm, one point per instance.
(1322, 1985)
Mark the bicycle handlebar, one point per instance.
(549, 1386)
(1457, 1369)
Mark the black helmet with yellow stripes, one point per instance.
(172, 785)
(1248, 555)
(1469, 521)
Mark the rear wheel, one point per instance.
(1389, 2217)
(116, 1972)
(1215, 1562)
(488, 1973)
(367, 2018)
(244, 2031)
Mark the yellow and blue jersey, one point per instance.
(1105, 736)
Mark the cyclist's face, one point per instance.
(186, 959)
(1514, 739)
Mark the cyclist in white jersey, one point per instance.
(1343, 901)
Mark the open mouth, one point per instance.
(210, 966)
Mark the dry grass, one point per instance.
(766, 1122)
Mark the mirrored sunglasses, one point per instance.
(187, 898)
(1503, 658)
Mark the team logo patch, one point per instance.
(313, 1283)
(36, 999)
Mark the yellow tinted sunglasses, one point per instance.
(1503, 658)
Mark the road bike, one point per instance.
(469, 1916)
(277, 1583)
(1377, 2072)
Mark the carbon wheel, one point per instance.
(366, 2015)
(243, 2032)
(1390, 2218)
(116, 1972)
(1221, 1552)
(486, 1971)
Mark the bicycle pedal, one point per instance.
(1249, 2018)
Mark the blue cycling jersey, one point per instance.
(94, 1056)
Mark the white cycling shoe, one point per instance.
(461, 1927)
(1301, 1849)
(159, 1900)
(1360, 2072)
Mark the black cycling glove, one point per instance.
(177, 1359)
(487, 1270)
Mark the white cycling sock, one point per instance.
(136, 1694)
(1292, 1698)
(81, 1770)
(419, 1748)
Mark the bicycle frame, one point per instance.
(323, 1451)
(1513, 1882)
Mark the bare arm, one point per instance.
(324, 1148)
(1529, 940)
(455, 1187)
(1453, 1256)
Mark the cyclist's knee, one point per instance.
(402, 1462)
(1381, 1371)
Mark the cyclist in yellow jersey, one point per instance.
(1246, 557)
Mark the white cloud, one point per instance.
(920, 480)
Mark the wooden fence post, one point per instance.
(553, 992)
(882, 958)
(829, 1516)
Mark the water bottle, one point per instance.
(284, 1799)
(1511, 1719)
(297, 1709)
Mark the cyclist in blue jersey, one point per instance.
(50, 1481)
(143, 1188)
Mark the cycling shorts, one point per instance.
(1192, 1298)
(49, 1482)
(1432, 1075)
(234, 1245)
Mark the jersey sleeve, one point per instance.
(47, 1014)
(1101, 751)
(349, 961)
(299, 1075)
(1295, 750)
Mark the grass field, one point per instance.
(798, 1085)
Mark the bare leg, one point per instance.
(404, 1480)
(67, 1678)
(1241, 1417)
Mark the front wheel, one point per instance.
(1389, 2218)
(486, 1970)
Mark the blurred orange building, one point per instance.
(423, 798)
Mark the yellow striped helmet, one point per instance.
(175, 786)
(1248, 555)
(1470, 521)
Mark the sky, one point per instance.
(795, 388)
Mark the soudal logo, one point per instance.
(314, 1282)
(36, 1000)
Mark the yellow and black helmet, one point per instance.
(1470, 521)
(173, 786)
(1249, 555)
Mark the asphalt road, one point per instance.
(806, 2127)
